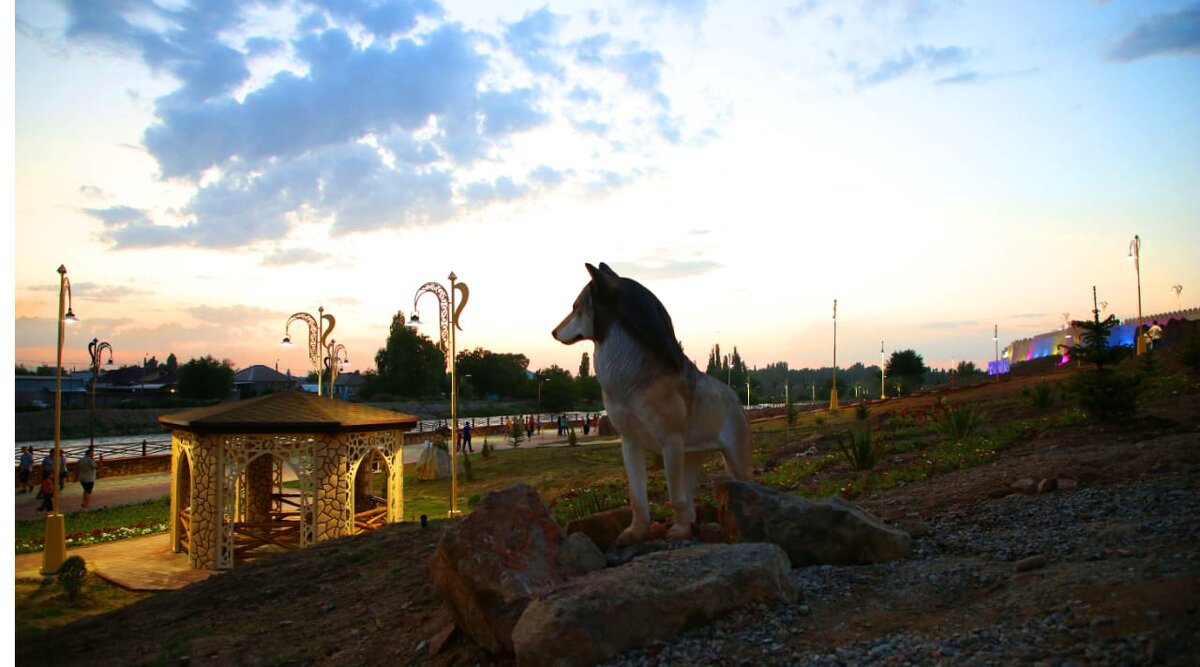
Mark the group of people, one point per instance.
(85, 472)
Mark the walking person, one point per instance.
(85, 470)
(466, 436)
(47, 493)
(62, 469)
(26, 469)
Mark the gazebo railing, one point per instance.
(371, 519)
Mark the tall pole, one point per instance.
(996, 343)
(833, 397)
(317, 335)
(882, 374)
(1135, 251)
(453, 406)
(55, 549)
(448, 313)
(95, 351)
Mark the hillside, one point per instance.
(1117, 582)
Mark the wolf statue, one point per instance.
(655, 396)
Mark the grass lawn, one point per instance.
(31, 532)
(553, 471)
(41, 604)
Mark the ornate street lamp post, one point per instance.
(334, 361)
(1177, 289)
(96, 349)
(1135, 253)
(448, 314)
(55, 551)
(317, 335)
(833, 397)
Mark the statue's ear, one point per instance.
(604, 279)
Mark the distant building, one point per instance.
(259, 380)
(38, 391)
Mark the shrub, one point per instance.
(820, 420)
(1103, 393)
(960, 422)
(486, 450)
(791, 413)
(516, 433)
(578, 503)
(1042, 394)
(862, 411)
(71, 576)
(466, 464)
(572, 439)
(864, 450)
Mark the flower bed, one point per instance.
(94, 536)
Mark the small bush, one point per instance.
(466, 464)
(572, 439)
(960, 422)
(486, 451)
(791, 413)
(820, 420)
(863, 451)
(1042, 394)
(578, 503)
(516, 433)
(862, 411)
(71, 576)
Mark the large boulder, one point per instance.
(827, 532)
(435, 463)
(655, 597)
(488, 567)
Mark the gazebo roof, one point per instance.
(287, 412)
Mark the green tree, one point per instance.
(907, 369)
(411, 366)
(967, 369)
(714, 367)
(588, 390)
(205, 379)
(1103, 392)
(495, 373)
(585, 366)
(172, 362)
(558, 390)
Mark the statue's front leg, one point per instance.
(635, 471)
(679, 486)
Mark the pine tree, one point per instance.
(1103, 392)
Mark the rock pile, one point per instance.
(517, 584)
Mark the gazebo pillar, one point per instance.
(260, 480)
(331, 510)
(207, 510)
(396, 479)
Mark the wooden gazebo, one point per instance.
(229, 497)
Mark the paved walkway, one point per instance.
(146, 563)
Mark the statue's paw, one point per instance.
(633, 535)
(680, 532)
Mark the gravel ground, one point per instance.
(960, 599)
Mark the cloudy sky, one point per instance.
(206, 169)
